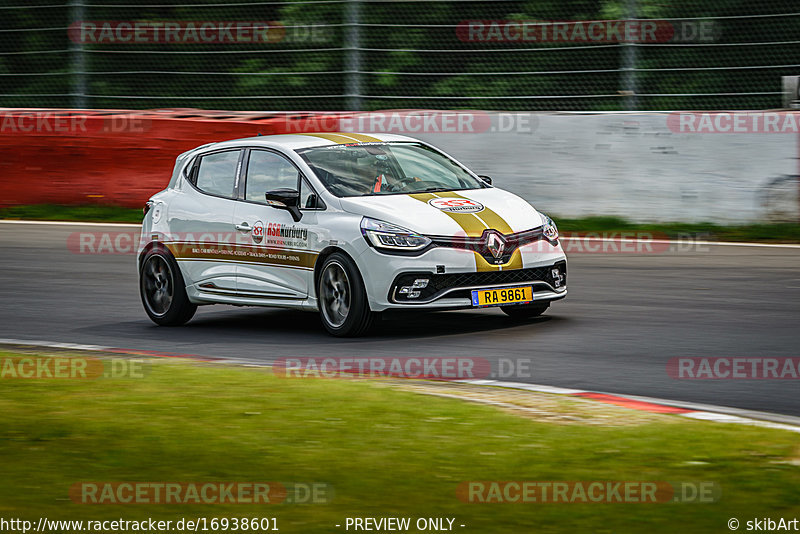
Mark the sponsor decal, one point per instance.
(291, 236)
(278, 257)
(456, 205)
(474, 225)
(257, 233)
(289, 232)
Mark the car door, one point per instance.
(279, 263)
(201, 222)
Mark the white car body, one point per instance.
(273, 262)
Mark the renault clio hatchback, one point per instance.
(345, 224)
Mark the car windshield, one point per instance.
(386, 168)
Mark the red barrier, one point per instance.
(121, 158)
(105, 157)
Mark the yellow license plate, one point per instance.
(500, 296)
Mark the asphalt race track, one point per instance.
(626, 315)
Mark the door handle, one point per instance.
(244, 227)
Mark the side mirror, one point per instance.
(486, 179)
(285, 199)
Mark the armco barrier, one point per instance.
(724, 167)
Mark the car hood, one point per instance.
(453, 213)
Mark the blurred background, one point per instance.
(378, 54)
(572, 105)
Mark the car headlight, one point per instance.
(384, 235)
(549, 229)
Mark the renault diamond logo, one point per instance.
(496, 244)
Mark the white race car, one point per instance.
(347, 224)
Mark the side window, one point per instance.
(308, 199)
(267, 171)
(216, 173)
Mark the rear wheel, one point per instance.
(343, 305)
(162, 289)
(525, 311)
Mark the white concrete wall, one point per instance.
(634, 166)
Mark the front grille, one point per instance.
(440, 283)
(480, 244)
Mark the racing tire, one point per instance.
(163, 290)
(343, 304)
(525, 311)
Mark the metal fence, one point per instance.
(379, 54)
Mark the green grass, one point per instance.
(54, 212)
(776, 233)
(384, 452)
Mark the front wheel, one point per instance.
(343, 304)
(162, 289)
(525, 311)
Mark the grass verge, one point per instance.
(770, 233)
(385, 451)
(54, 212)
(767, 233)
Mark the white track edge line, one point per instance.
(706, 412)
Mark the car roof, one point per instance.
(311, 139)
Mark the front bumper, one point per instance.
(384, 275)
(548, 282)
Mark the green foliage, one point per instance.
(409, 50)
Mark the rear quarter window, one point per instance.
(216, 173)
